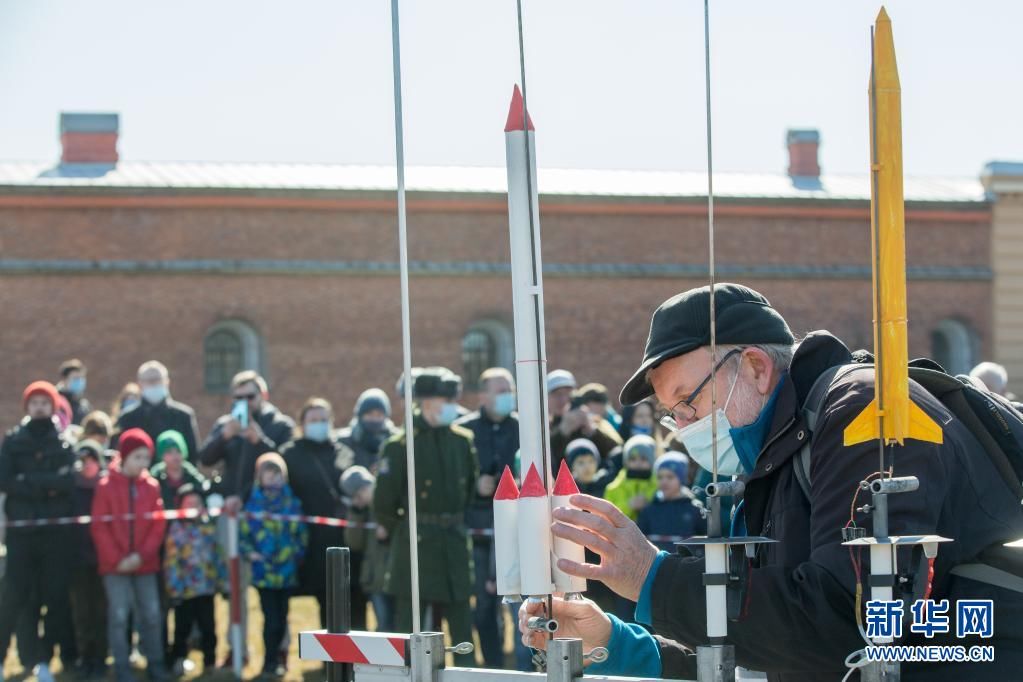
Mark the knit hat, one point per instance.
(90, 448)
(170, 439)
(271, 459)
(682, 324)
(44, 388)
(642, 445)
(133, 439)
(592, 393)
(676, 463)
(560, 378)
(372, 399)
(355, 478)
(578, 448)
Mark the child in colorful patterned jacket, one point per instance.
(275, 548)
(194, 571)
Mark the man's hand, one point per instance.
(231, 429)
(252, 432)
(625, 553)
(486, 485)
(382, 534)
(572, 421)
(581, 619)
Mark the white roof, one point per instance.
(607, 183)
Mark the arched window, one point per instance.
(230, 346)
(953, 346)
(487, 343)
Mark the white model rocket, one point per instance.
(506, 523)
(522, 526)
(564, 488)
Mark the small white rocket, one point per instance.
(506, 522)
(564, 488)
(522, 518)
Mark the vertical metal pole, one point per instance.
(406, 326)
(234, 563)
(339, 606)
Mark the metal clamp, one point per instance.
(597, 655)
(427, 654)
(540, 624)
(564, 660)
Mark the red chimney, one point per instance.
(89, 138)
(803, 146)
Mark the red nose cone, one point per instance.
(533, 485)
(565, 484)
(515, 114)
(506, 489)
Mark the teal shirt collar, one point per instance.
(749, 440)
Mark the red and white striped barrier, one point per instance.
(373, 648)
(171, 514)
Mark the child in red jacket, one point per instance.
(128, 551)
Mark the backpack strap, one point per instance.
(812, 407)
(986, 573)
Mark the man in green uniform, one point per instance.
(446, 473)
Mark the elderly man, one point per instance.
(571, 418)
(798, 608)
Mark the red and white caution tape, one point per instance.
(172, 514)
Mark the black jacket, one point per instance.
(239, 455)
(80, 406)
(37, 473)
(496, 445)
(314, 473)
(797, 616)
(364, 448)
(164, 416)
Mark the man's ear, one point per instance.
(760, 370)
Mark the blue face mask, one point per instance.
(504, 404)
(154, 395)
(76, 386)
(642, 430)
(448, 414)
(317, 431)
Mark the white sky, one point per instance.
(612, 83)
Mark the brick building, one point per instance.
(292, 269)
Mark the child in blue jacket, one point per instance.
(275, 547)
(674, 509)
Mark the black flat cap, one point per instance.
(682, 324)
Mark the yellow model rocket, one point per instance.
(891, 415)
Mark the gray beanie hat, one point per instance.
(372, 399)
(356, 478)
(642, 445)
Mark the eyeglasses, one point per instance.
(683, 411)
(247, 396)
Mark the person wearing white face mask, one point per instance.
(798, 615)
(446, 478)
(158, 412)
(495, 427)
(315, 463)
